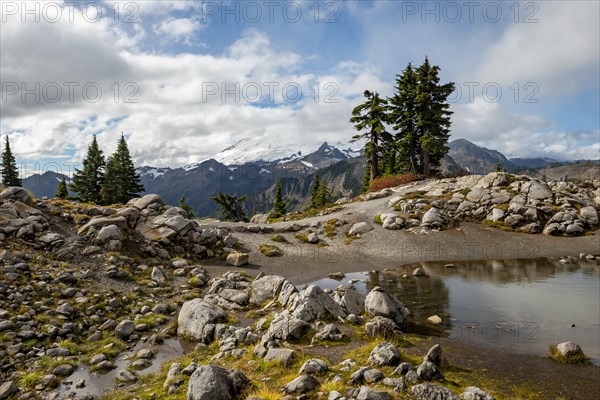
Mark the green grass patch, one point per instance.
(577, 359)
(270, 250)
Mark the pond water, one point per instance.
(519, 306)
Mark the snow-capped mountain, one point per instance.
(277, 149)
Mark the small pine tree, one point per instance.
(87, 182)
(8, 167)
(323, 195)
(187, 208)
(314, 191)
(231, 207)
(121, 182)
(62, 192)
(500, 167)
(279, 206)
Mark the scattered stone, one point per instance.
(384, 354)
(284, 356)
(237, 259)
(302, 384)
(124, 329)
(428, 391)
(474, 393)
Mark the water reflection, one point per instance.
(519, 306)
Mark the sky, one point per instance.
(183, 80)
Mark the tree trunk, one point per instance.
(374, 160)
(426, 167)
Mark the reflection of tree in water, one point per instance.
(424, 296)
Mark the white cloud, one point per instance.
(179, 29)
(561, 52)
(514, 135)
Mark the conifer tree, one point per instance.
(62, 191)
(279, 206)
(88, 181)
(231, 207)
(322, 195)
(187, 208)
(432, 116)
(121, 182)
(314, 190)
(8, 166)
(371, 116)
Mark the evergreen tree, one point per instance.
(314, 190)
(432, 116)
(402, 116)
(279, 206)
(371, 116)
(322, 195)
(62, 192)
(187, 208)
(88, 182)
(231, 207)
(8, 167)
(121, 182)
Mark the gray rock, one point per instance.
(384, 354)
(313, 238)
(210, 382)
(312, 303)
(382, 327)
(366, 393)
(284, 356)
(569, 349)
(589, 214)
(428, 372)
(8, 389)
(16, 194)
(419, 272)
(108, 233)
(428, 391)
(403, 369)
(124, 329)
(157, 275)
(126, 376)
(381, 303)
(496, 215)
(435, 355)
(329, 332)
(147, 200)
(433, 218)
(350, 300)
(373, 375)
(286, 327)
(302, 384)
(314, 366)
(360, 228)
(474, 393)
(197, 320)
(237, 259)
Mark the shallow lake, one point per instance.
(519, 306)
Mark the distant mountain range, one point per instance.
(252, 168)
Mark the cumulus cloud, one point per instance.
(179, 29)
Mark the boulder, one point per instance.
(474, 393)
(381, 303)
(366, 393)
(15, 193)
(268, 288)
(197, 320)
(211, 382)
(108, 233)
(314, 366)
(237, 259)
(284, 356)
(312, 303)
(124, 329)
(360, 228)
(147, 200)
(433, 218)
(382, 327)
(286, 327)
(428, 391)
(8, 389)
(429, 372)
(435, 355)
(384, 354)
(302, 384)
(350, 300)
(569, 349)
(589, 214)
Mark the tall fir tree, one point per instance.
(402, 116)
(121, 182)
(62, 192)
(279, 206)
(8, 166)
(88, 181)
(371, 116)
(432, 116)
(322, 195)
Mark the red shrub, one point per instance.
(392, 181)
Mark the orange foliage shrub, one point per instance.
(392, 180)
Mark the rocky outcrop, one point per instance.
(381, 303)
(197, 320)
(497, 199)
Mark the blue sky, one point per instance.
(166, 55)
